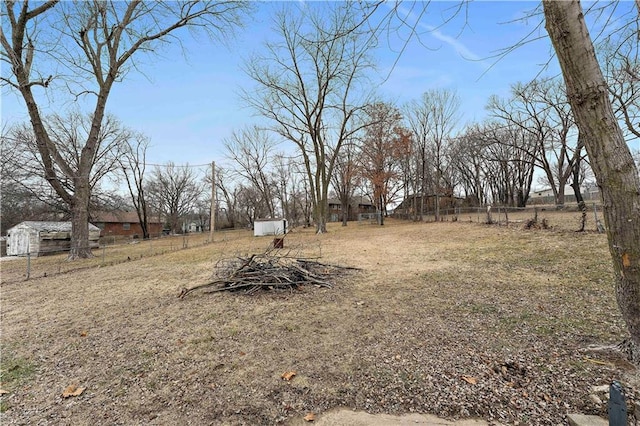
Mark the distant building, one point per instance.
(590, 193)
(262, 227)
(42, 238)
(124, 223)
(357, 206)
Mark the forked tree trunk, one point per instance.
(611, 160)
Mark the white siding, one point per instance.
(21, 239)
(263, 227)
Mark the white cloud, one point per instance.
(452, 42)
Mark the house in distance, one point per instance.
(124, 223)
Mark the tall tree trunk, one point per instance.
(80, 220)
(345, 211)
(611, 160)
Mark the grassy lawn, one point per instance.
(456, 319)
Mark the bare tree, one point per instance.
(66, 135)
(133, 166)
(174, 191)
(24, 194)
(88, 47)
(419, 115)
(540, 108)
(610, 157)
(345, 177)
(307, 85)
(227, 186)
(290, 188)
(432, 119)
(471, 165)
(250, 150)
(512, 165)
(619, 54)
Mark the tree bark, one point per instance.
(611, 160)
(579, 199)
(80, 248)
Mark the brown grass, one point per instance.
(514, 309)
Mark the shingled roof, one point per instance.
(53, 226)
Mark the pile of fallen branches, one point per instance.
(269, 271)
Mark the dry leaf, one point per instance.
(72, 390)
(3, 392)
(288, 375)
(309, 417)
(83, 333)
(469, 379)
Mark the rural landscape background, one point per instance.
(458, 319)
(482, 156)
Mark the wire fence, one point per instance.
(110, 251)
(564, 217)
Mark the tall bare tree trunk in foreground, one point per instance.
(611, 160)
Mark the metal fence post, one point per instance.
(28, 264)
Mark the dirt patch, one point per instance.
(457, 320)
(345, 417)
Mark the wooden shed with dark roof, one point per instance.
(42, 238)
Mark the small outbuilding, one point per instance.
(42, 238)
(262, 227)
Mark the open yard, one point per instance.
(456, 319)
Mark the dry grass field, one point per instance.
(456, 319)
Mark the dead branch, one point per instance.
(269, 271)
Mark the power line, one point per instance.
(176, 165)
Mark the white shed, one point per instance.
(263, 227)
(41, 238)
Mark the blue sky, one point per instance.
(187, 104)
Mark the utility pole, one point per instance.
(212, 224)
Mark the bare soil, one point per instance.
(458, 320)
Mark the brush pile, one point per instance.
(268, 271)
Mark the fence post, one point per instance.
(28, 264)
(599, 226)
